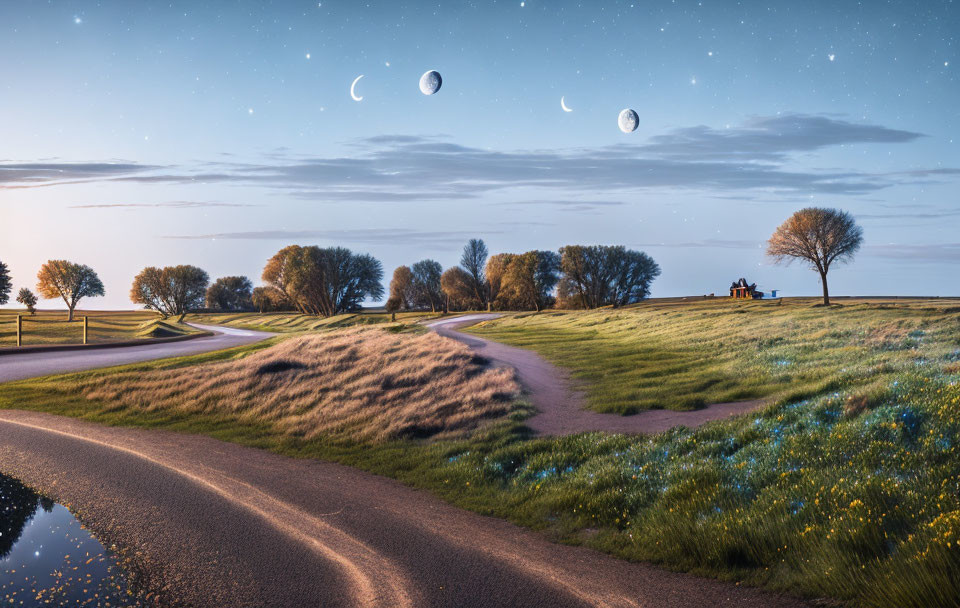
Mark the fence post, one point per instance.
(85, 327)
(19, 330)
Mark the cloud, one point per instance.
(748, 160)
(364, 236)
(930, 252)
(163, 205)
(707, 244)
(564, 205)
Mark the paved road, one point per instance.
(218, 524)
(560, 406)
(31, 365)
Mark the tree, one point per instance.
(530, 279)
(28, 300)
(69, 281)
(473, 261)
(459, 289)
(401, 290)
(426, 284)
(819, 236)
(5, 284)
(171, 291)
(230, 293)
(495, 271)
(326, 281)
(601, 275)
(265, 299)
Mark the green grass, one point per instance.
(850, 489)
(288, 322)
(684, 355)
(51, 327)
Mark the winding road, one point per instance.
(218, 524)
(561, 407)
(32, 364)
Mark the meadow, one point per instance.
(292, 322)
(846, 488)
(684, 354)
(51, 327)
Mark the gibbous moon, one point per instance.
(564, 106)
(430, 82)
(353, 88)
(628, 121)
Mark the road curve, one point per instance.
(217, 524)
(561, 407)
(32, 365)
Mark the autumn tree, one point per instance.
(601, 275)
(171, 291)
(473, 262)
(230, 293)
(530, 278)
(266, 299)
(426, 284)
(68, 281)
(495, 271)
(324, 281)
(459, 289)
(5, 284)
(28, 300)
(820, 237)
(401, 290)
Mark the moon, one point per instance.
(353, 87)
(430, 82)
(628, 121)
(564, 106)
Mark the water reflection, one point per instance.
(47, 558)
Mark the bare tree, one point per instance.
(68, 281)
(600, 275)
(819, 236)
(5, 284)
(473, 261)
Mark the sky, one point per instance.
(138, 134)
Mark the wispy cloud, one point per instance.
(930, 252)
(162, 205)
(746, 160)
(369, 236)
(707, 244)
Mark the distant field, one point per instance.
(51, 327)
(291, 322)
(684, 354)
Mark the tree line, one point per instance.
(576, 276)
(329, 281)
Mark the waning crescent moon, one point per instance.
(353, 86)
(564, 106)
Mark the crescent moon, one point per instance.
(353, 87)
(564, 106)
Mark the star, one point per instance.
(386, 63)
(709, 53)
(249, 110)
(308, 55)
(523, 4)
(831, 56)
(693, 80)
(77, 20)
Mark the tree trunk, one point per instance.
(70, 314)
(826, 292)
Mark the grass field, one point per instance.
(51, 327)
(289, 322)
(848, 490)
(683, 355)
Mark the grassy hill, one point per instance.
(291, 322)
(685, 354)
(51, 327)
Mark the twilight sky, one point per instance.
(215, 133)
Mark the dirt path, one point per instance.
(31, 365)
(218, 524)
(560, 406)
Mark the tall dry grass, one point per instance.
(363, 384)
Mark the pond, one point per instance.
(47, 557)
